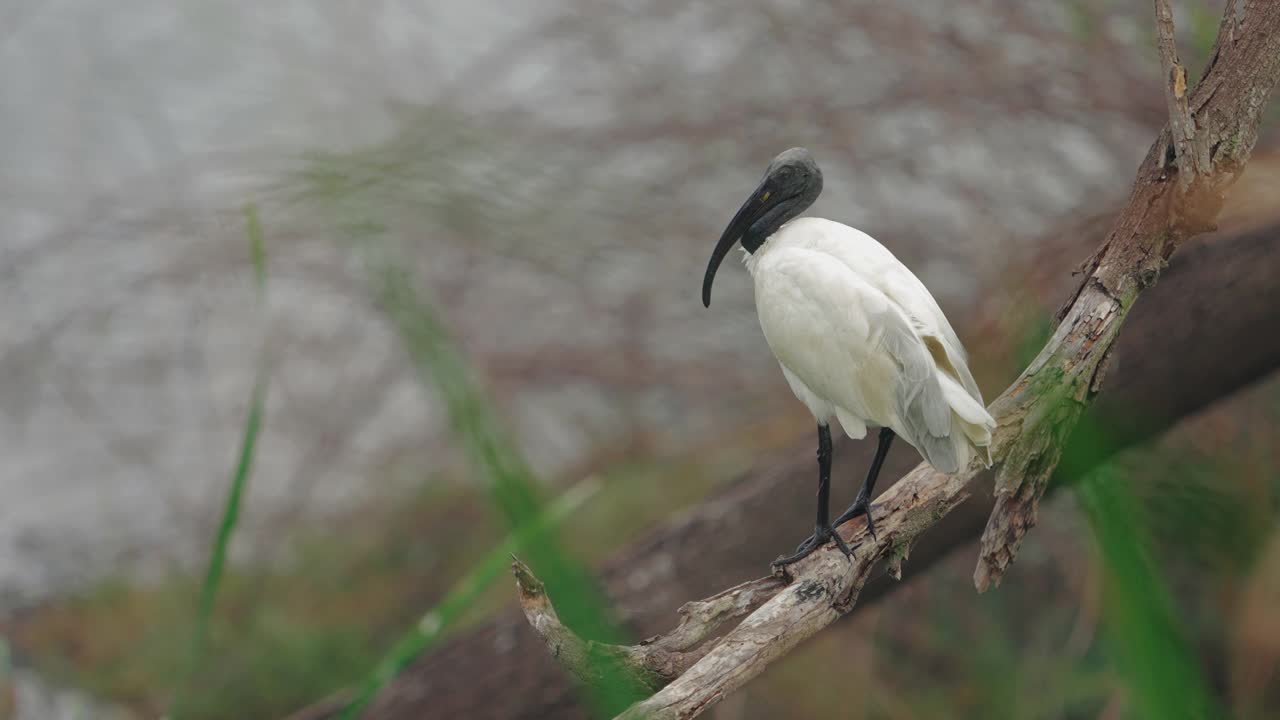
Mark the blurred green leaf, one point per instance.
(512, 486)
(239, 478)
(1141, 626)
(424, 635)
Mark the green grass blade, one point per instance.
(240, 476)
(511, 484)
(230, 514)
(510, 481)
(424, 635)
(1142, 630)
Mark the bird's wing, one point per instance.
(876, 265)
(852, 344)
(929, 322)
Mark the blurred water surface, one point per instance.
(554, 171)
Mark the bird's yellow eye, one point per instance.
(765, 196)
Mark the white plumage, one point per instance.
(860, 339)
(858, 336)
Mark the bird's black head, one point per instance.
(790, 185)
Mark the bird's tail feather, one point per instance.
(946, 454)
(976, 424)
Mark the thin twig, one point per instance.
(701, 618)
(1192, 158)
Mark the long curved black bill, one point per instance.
(738, 226)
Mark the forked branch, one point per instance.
(654, 662)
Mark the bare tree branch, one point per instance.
(1037, 413)
(654, 662)
(822, 588)
(1045, 402)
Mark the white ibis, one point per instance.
(858, 336)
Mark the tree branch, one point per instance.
(654, 662)
(1046, 401)
(1037, 413)
(819, 590)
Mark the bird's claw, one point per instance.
(861, 506)
(819, 538)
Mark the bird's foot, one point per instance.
(860, 506)
(820, 536)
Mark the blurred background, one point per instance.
(316, 310)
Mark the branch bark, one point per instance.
(655, 662)
(796, 606)
(1192, 157)
(1037, 413)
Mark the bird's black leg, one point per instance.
(822, 531)
(862, 505)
